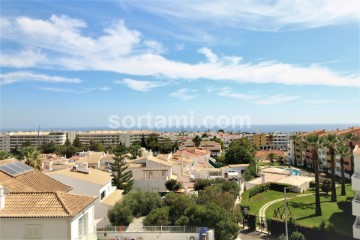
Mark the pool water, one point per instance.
(295, 172)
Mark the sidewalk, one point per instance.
(254, 235)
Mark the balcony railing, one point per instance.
(173, 229)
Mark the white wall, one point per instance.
(91, 229)
(148, 235)
(51, 228)
(150, 185)
(88, 189)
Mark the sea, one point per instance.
(285, 128)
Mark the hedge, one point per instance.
(259, 189)
(277, 227)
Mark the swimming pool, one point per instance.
(295, 172)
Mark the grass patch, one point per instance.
(257, 201)
(303, 209)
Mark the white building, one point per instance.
(46, 215)
(355, 180)
(12, 140)
(109, 138)
(91, 182)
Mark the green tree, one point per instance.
(330, 141)
(350, 138)
(172, 185)
(31, 157)
(50, 147)
(271, 139)
(204, 135)
(158, 217)
(214, 216)
(240, 151)
(122, 178)
(96, 146)
(344, 151)
(271, 156)
(219, 141)
(141, 203)
(213, 194)
(197, 141)
(294, 138)
(143, 141)
(314, 142)
(134, 151)
(120, 215)
(77, 143)
(27, 143)
(221, 130)
(251, 171)
(326, 185)
(178, 204)
(152, 142)
(5, 155)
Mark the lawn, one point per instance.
(260, 199)
(303, 209)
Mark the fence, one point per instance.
(170, 229)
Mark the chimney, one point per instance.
(2, 197)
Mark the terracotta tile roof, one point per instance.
(94, 176)
(157, 160)
(33, 181)
(94, 157)
(44, 204)
(113, 198)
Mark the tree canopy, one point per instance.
(240, 151)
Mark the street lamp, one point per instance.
(286, 227)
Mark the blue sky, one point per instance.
(75, 63)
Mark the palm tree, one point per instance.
(271, 156)
(197, 140)
(351, 138)
(314, 142)
(271, 139)
(294, 138)
(330, 141)
(344, 151)
(31, 157)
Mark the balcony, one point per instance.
(355, 180)
(356, 206)
(356, 228)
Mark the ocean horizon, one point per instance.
(253, 128)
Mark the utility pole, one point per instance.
(285, 205)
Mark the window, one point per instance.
(103, 193)
(33, 231)
(83, 227)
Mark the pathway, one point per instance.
(263, 209)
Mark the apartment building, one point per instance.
(303, 155)
(12, 140)
(355, 180)
(265, 141)
(108, 138)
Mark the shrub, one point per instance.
(325, 185)
(158, 217)
(120, 215)
(172, 185)
(297, 236)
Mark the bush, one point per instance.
(158, 217)
(297, 236)
(120, 215)
(251, 222)
(325, 185)
(172, 185)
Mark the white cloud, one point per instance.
(122, 50)
(212, 57)
(21, 76)
(139, 85)
(67, 90)
(105, 88)
(184, 94)
(251, 97)
(275, 99)
(317, 101)
(257, 14)
(25, 58)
